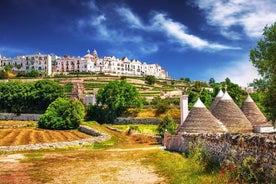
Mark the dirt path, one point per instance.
(120, 164)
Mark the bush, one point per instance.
(100, 114)
(166, 124)
(62, 114)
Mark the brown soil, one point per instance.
(119, 164)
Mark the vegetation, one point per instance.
(150, 79)
(113, 100)
(263, 57)
(167, 124)
(62, 114)
(18, 97)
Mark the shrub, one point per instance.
(62, 114)
(100, 114)
(166, 124)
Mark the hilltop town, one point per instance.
(51, 64)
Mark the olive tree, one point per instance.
(263, 58)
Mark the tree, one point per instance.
(117, 96)
(150, 79)
(166, 124)
(212, 81)
(33, 73)
(263, 57)
(62, 114)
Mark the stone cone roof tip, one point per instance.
(199, 104)
(249, 99)
(231, 115)
(220, 94)
(253, 113)
(216, 100)
(200, 120)
(226, 96)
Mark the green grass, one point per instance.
(93, 85)
(145, 129)
(178, 169)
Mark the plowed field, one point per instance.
(26, 135)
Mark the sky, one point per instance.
(198, 39)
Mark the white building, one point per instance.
(108, 65)
(39, 62)
(50, 64)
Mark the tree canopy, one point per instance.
(118, 96)
(33, 97)
(263, 58)
(62, 114)
(150, 79)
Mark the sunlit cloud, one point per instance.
(241, 72)
(250, 16)
(179, 33)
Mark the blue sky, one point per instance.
(198, 39)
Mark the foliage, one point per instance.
(162, 107)
(117, 96)
(166, 124)
(62, 114)
(263, 57)
(212, 81)
(178, 169)
(3, 74)
(150, 79)
(234, 90)
(68, 87)
(33, 97)
(100, 114)
(33, 73)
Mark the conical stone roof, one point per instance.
(200, 120)
(216, 100)
(253, 113)
(231, 115)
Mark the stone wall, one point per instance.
(232, 148)
(21, 117)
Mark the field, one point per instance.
(27, 133)
(122, 159)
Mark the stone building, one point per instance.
(39, 62)
(231, 115)
(200, 120)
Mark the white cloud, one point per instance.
(252, 16)
(133, 20)
(240, 72)
(178, 32)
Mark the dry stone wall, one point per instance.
(233, 148)
(21, 117)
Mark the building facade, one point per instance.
(39, 62)
(52, 64)
(108, 65)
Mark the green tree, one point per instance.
(166, 124)
(212, 81)
(33, 73)
(3, 74)
(263, 57)
(62, 114)
(150, 79)
(45, 92)
(117, 96)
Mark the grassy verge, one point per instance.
(145, 129)
(178, 169)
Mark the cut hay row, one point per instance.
(12, 137)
